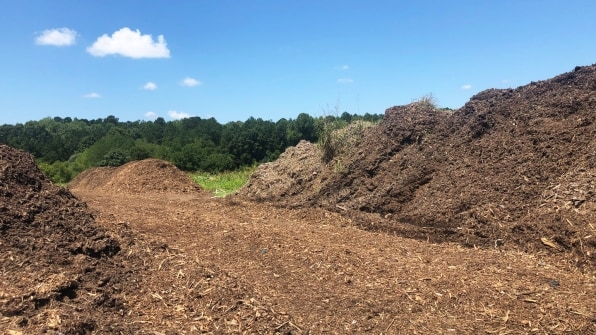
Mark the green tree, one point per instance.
(116, 157)
(193, 156)
(219, 162)
(116, 139)
(303, 128)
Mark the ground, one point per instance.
(232, 266)
(476, 221)
(188, 263)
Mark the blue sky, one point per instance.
(231, 60)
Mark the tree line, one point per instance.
(64, 147)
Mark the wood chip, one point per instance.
(550, 243)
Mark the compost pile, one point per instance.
(69, 270)
(512, 168)
(292, 174)
(136, 177)
(56, 262)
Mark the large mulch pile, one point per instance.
(56, 262)
(137, 177)
(513, 168)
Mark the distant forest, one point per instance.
(64, 147)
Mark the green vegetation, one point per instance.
(222, 184)
(337, 138)
(328, 145)
(428, 102)
(337, 134)
(64, 147)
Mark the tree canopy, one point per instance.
(66, 146)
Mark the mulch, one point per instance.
(512, 167)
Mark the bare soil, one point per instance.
(498, 197)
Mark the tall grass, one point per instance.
(225, 183)
(338, 137)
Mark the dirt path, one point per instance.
(229, 266)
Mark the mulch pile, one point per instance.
(65, 271)
(56, 262)
(512, 168)
(292, 174)
(137, 177)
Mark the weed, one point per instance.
(327, 141)
(427, 102)
(339, 166)
(225, 183)
(338, 138)
(327, 126)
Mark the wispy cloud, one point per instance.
(57, 37)
(151, 115)
(150, 86)
(345, 80)
(92, 95)
(344, 67)
(178, 115)
(466, 87)
(129, 43)
(190, 82)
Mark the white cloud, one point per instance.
(91, 95)
(57, 37)
(345, 80)
(190, 82)
(344, 67)
(128, 43)
(150, 86)
(178, 115)
(151, 115)
(466, 87)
